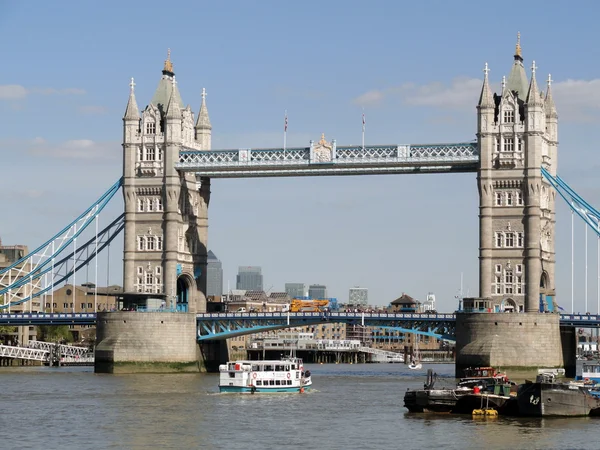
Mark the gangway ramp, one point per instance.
(383, 355)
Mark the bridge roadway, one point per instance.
(214, 326)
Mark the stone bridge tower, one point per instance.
(517, 136)
(166, 212)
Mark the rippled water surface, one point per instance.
(351, 407)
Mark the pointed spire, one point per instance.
(533, 95)
(518, 54)
(203, 121)
(174, 107)
(168, 68)
(132, 111)
(550, 106)
(485, 99)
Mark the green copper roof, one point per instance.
(517, 79)
(163, 94)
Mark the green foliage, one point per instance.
(6, 329)
(53, 333)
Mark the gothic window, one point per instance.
(159, 204)
(509, 240)
(498, 268)
(509, 145)
(140, 203)
(150, 154)
(520, 145)
(520, 239)
(519, 198)
(140, 154)
(158, 270)
(498, 239)
(159, 154)
(509, 116)
(150, 205)
(140, 280)
(519, 268)
(141, 243)
(150, 243)
(497, 145)
(498, 198)
(509, 199)
(140, 270)
(149, 279)
(508, 282)
(150, 128)
(159, 245)
(519, 285)
(498, 285)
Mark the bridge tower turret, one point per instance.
(516, 207)
(166, 212)
(517, 137)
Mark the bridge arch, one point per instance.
(184, 292)
(509, 305)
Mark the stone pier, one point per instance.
(525, 341)
(132, 342)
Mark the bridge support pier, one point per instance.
(521, 342)
(133, 342)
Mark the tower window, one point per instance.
(509, 145)
(497, 145)
(519, 239)
(150, 154)
(509, 240)
(498, 239)
(519, 285)
(159, 154)
(520, 145)
(519, 198)
(519, 268)
(498, 268)
(140, 205)
(140, 154)
(498, 285)
(509, 199)
(509, 116)
(159, 204)
(141, 243)
(159, 245)
(498, 198)
(150, 242)
(150, 128)
(150, 205)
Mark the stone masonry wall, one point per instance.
(146, 342)
(526, 340)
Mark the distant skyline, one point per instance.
(411, 67)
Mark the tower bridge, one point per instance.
(168, 162)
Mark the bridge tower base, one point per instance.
(515, 342)
(134, 342)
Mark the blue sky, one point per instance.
(415, 68)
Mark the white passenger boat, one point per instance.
(589, 372)
(249, 377)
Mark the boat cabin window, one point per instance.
(255, 368)
(277, 382)
(258, 382)
(271, 382)
(293, 366)
(279, 368)
(268, 368)
(287, 368)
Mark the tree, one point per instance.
(54, 333)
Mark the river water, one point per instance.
(351, 407)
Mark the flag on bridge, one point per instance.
(285, 124)
(363, 130)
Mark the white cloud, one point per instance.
(576, 100)
(16, 91)
(12, 92)
(81, 149)
(370, 98)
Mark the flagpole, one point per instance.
(363, 130)
(285, 131)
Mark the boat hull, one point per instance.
(558, 400)
(262, 390)
(432, 400)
